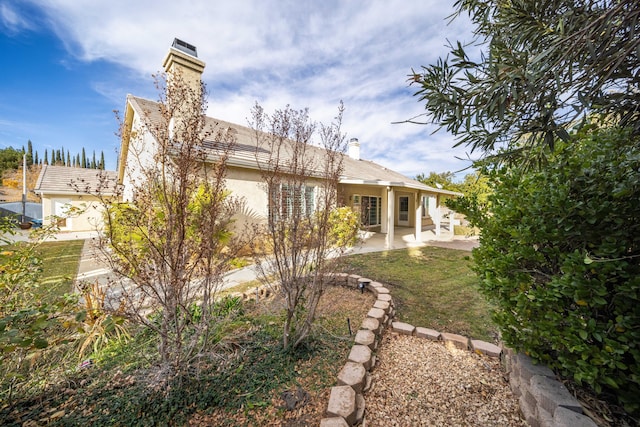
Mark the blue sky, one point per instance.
(68, 64)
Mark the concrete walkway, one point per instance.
(91, 268)
(404, 238)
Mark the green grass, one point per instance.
(60, 261)
(432, 287)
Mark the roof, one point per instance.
(246, 154)
(68, 180)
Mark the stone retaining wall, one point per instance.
(544, 401)
(346, 401)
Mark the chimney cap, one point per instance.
(185, 47)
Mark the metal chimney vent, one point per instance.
(185, 47)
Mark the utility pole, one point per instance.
(24, 186)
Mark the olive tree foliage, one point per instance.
(172, 244)
(304, 232)
(542, 67)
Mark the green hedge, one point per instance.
(560, 257)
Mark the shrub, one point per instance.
(560, 256)
(344, 224)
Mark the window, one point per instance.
(370, 210)
(425, 206)
(288, 201)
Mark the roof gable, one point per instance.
(245, 152)
(68, 180)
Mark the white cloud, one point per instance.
(12, 21)
(302, 53)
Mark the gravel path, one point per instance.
(419, 382)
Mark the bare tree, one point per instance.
(302, 183)
(171, 245)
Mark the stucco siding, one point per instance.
(86, 211)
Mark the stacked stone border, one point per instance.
(544, 401)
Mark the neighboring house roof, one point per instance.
(68, 180)
(246, 154)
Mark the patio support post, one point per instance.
(418, 217)
(452, 215)
(390, 217)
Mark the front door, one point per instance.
(403, 210)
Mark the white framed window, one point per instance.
(289, 201)
(425, 206)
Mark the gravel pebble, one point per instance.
(419, 382)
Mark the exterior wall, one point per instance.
(248, 185)
(142, 148)
(89, 208)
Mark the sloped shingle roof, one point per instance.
(245, 152)
(67, 180)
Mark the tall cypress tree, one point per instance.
(93, 161)
(46, 157)
(29, 153)
(68, 159)
(84, 158)
(77, 160)
(36, 159)
(102, 160)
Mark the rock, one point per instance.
(371, 324)
(551, 393)
(333, 422)
(525, 368)
(360, 404)
(353, 280)
(457, 340)
(384, 297)
(427, 333)
(366, 337)
(377, 314)
(564, 417)
(342, 403)
(354, 375)
(361, 354)
(403, 328)
(486, 348)
(382, 305)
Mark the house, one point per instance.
(385, 199)
(70, 196)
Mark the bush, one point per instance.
(559, 256)
(344, 224)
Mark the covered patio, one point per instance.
(405, 237)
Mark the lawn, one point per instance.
(60, 262)
(432, 287)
